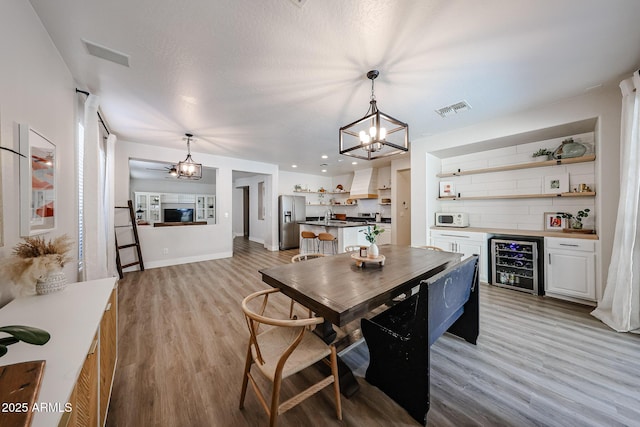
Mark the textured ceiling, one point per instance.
(270, 81)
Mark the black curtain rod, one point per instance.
(84, 92)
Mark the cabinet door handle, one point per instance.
(549, 258)
(568, 244)
(455, 235)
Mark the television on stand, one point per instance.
(178, 215)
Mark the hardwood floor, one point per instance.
(538, 362)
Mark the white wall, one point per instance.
(171, 185)
(602, 104)
(238, 212)
(195, 243)
(36, 88)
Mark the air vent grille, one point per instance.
(453, 109)
(106, 53)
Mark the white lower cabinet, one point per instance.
(466, 243)
(384, 238)
(570, 268)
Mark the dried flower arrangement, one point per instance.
(34, 258)
(34, 247)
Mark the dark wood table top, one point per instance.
(336, 289)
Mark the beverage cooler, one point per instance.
(517, 262)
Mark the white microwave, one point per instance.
(452, 219)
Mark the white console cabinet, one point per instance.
(464, 242)
(80, 357)
(570, 268)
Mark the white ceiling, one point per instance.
(270, 81)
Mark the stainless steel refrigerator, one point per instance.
(291, 210)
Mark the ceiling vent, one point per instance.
(106, 53)
(299, 3)
(453, 109)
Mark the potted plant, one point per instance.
(575, 222)
(44, 260)
(371, 234)
(542, 154)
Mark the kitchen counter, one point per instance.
(533, 233)
(346, 233)
(334, 223)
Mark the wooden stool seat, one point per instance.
(328, 237)
(310, 236)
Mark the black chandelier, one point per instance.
(188, 169)
(375, 135)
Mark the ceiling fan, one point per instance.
(171, 170)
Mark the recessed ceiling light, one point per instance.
(354, 163)
(324, 170)
(340, 160)
(294, 166)
(324, 156)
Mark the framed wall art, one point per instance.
(556, 184)
(447, 189)
(553, 223)
(37, 183)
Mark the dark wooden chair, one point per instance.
(399, 338)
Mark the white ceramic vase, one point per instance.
(53, 282)
(373, 251)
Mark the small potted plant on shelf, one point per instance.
(371, 234)
(542, 154)
(575, 222)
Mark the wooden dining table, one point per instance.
(336, 289)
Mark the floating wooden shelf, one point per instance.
(521, 196)
(583, 159)
(322, 192)
(333, 206)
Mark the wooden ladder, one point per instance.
(135, 244)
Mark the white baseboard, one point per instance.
(185, 260)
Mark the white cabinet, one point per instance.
(570, 268)
(147, 207)
(466, 243)
(384, 238)
(206, 208)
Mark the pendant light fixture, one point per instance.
(375, 135)
(188, 169)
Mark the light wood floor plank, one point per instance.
(538, 362)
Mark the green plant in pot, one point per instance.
(575, 222)
(371, 234)
(543, 152)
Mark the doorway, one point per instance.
(402, 215)
(245, 210)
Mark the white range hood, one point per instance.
(364, 185)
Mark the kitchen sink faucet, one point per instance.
(327, 215)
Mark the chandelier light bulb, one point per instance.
(383, 134)
(372, 132)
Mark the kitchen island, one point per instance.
(346, 232)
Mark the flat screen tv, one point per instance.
(178, 215)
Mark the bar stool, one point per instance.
(310, 236)
(327, 238)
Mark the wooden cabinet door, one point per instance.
(108, 352)
(84, 399)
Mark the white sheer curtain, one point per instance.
(99, 244)
(620, 305)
